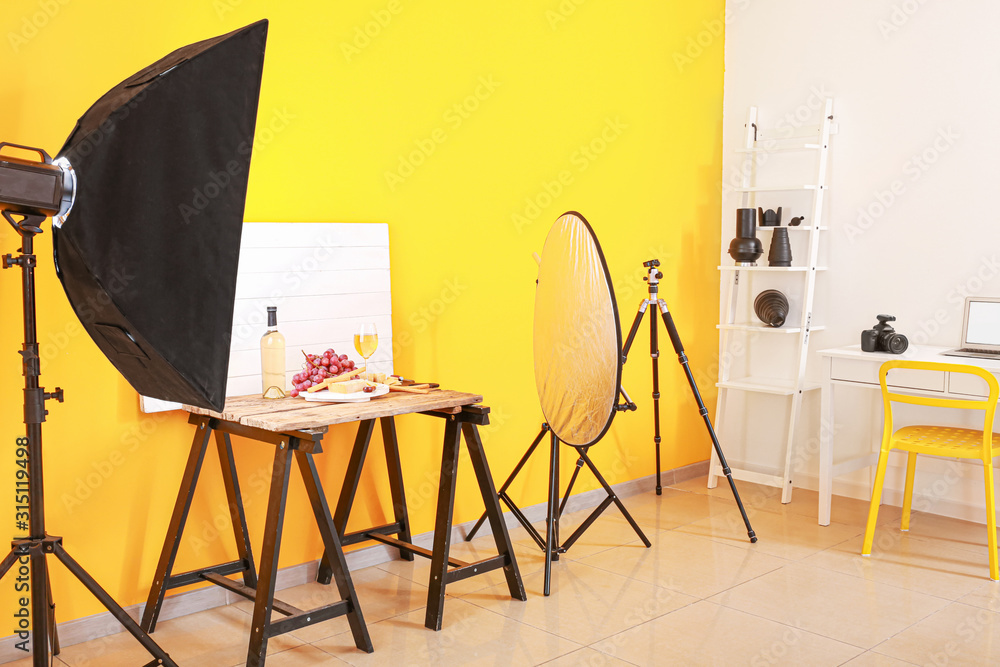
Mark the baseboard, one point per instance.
(101, 625)
(953, 509)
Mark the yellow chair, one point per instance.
(938, 441)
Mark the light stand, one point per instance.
(38, 544)
(653, 278)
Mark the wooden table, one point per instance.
(294, 425)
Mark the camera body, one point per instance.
(883, 338)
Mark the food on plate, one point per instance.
(411, 389)
(320, 368)
(343, 377)
(348, 387)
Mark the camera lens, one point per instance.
(895, 343)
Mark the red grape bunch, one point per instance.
(319, 367)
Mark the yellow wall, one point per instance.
(561, 76)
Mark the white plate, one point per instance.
(327, 396)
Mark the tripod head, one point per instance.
(654, 275)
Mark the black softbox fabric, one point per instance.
(149, 253)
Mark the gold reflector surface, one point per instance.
(577, 339)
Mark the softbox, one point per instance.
(149, 253)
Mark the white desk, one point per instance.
(849, 366)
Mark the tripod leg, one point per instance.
(634, 329)
(550, 521)
(39, 607)
(654, 353)
(510, 479)
(614, 498)
(675, 338)
(582, 528)
(112, 606)
(569, 487)
(52, 614)
(8, 562)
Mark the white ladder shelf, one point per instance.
(815, 138)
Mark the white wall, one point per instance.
(916, 88)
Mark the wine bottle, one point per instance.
(272, 357)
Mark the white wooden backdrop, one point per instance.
(324, 278)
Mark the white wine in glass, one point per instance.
(366, 342)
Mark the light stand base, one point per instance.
(550, 543)
(37, 550)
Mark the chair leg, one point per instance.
(991, 519)
(883, 462)
(911, 470)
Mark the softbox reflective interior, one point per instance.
(577, 336)
(149, 253)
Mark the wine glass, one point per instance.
(366, 342)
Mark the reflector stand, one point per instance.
(577, 338)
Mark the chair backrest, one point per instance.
(988, 404)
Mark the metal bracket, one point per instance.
(25, 546)
(29, 363)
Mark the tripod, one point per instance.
(33, 549)
(653, 278)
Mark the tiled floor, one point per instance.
(701, 595)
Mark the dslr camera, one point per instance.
(883, 338)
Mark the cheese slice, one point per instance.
(348, 387)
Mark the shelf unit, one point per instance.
(815, 139)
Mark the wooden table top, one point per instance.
(296, 414)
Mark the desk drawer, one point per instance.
(967, 385)
(853, 370)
